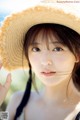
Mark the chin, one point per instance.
(51, 83)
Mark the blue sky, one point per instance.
(9, 6)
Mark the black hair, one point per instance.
(67, 36)
(78, 116)
(26, 95)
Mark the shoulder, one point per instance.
(17, 97)
(13, 103)
(74, 113)
(35, 96)
(74, 93)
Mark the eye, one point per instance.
(35, 49)
(58, 49)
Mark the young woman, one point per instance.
(52, 52)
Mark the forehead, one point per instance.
(46, 36)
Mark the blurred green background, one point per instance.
(19, 80)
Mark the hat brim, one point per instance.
(14, 29)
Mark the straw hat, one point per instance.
(16, 25)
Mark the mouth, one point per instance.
(48, 73)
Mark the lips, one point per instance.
(48, 73)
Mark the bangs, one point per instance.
(44, 34)
(49, 32)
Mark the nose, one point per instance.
(46, 62)
(46, 58)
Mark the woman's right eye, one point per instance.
(35, 49)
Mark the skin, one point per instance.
(58, 59)
(52, 100)
(4, 88)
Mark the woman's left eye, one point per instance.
(35, 49)
(57, 49)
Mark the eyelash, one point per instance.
(58, 48)
(36, 49)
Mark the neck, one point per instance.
(57, 93)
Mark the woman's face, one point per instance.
(52, 64)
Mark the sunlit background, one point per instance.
(9, 6)
(19, 77)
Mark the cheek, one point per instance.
(34, 61)
(65, 62)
